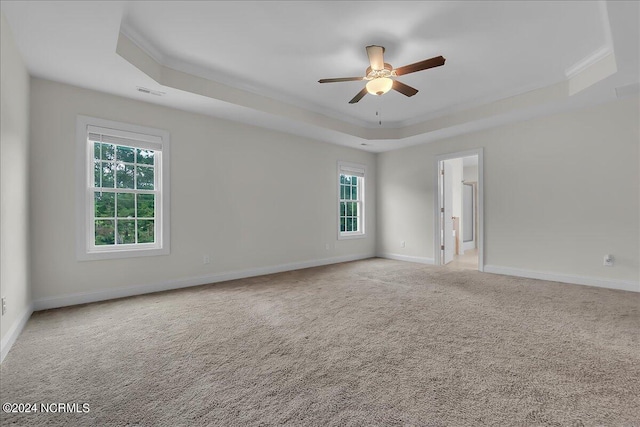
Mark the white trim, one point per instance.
(14, 332)
(606, 23)
(408, 258)
(588, 61)
(600, 53)
(108, 294)
(194, 71)
(137, 139)
(351, 167)
(624, 285)
(83, 173)
(354, 235)
(142, 43)
(436, 225)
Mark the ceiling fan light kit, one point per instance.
(379, 86)
(380, 75)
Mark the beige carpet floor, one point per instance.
(367, 343)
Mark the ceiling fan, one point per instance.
(379, 75)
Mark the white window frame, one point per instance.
(359, 170)
(144, 137)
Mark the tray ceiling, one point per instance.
(259, 62)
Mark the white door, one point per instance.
(449, 241)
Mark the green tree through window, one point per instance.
(124, 194)
(351, 206)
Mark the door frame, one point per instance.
(438, 202)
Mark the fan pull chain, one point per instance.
(379, 111)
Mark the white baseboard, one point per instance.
(14, 332)
(107, 294)
(624, 285)
(408, 258)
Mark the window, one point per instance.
(351, 200)
(123, 183)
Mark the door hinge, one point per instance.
(442, 172)
(442, 247)
(441, 209)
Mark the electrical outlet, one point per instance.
(4, 305)
(206, 259)
(402, 244)
(608, 260)
(327, 246)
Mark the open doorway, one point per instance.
(459, 210)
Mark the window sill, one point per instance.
(349, 236)
(120, 254)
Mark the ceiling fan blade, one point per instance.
(403, 88)
(359, 96)
(376, 57)
(419, 66)
(341, 79)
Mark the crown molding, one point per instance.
(588, 61)
(294, 116)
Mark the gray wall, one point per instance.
(560, 192)
(14, 184)
(250, 198)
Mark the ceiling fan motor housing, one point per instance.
(387, 71)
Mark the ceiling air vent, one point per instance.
(628, 90)
(149, 91)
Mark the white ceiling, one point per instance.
(272, 53)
